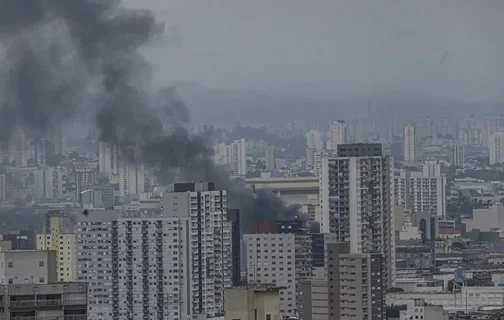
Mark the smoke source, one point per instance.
(62, 59)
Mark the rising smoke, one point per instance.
(63, 59)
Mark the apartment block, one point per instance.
(155, 265)
(356, 284)
(421, 191)
(410, 144)
(64, 246)
(496, 148)
(356, 201)
(27, 267)
(271, 261)
(457, 155)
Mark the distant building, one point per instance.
(48, 183)
(270, 158)
(252, 303)
(410, 141)
(314, 145)
(457, 155)
(83, 179)
(421, 191)
(3, 187)
(337, 134)
(238, 158)
(419, 309)
(496, 148)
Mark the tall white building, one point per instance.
(457, 155)
(423, 191)
(496, 148)
(98, 262)
(356, 201)
(314, 145)
(410, 148)
(238, 158)
(153, 265)
(337, 134)
(271, 260)
(48, 183)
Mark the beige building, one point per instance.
(27, 267)
(64, 246)
(252, 303)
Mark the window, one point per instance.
(10, 264)
(41, 263)
(41, 279)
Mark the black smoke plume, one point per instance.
(63, 59)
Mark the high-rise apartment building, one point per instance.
(270, 158)
(83, 179)
(157, 265)
(238, 158)
(496, 148)
(39, 152)
(98, 262)
(64, 246)
(457, 155)
(423, 191)
(48, 183)
(356, 284)
(356, 201)
(410, 141)
(337, 134)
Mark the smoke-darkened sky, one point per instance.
(449, 48)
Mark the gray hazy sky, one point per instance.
(441, 48)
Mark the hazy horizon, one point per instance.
(446, 50)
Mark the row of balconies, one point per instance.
(46, 303)
(63, 317)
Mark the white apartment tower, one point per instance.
(457, 155)
(409, 133)
(496, 148)
(238, 158)
(153, 265)
(337, 134)
(423, 191)
(356, 200)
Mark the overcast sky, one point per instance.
(441, 48)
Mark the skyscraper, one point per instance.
(409, 133)
(356, 200)
(337, 134)
(496, 148)
(48, 183)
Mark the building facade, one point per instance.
(457, 155)
(238, 158)
(356, 200)
(64, 246)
